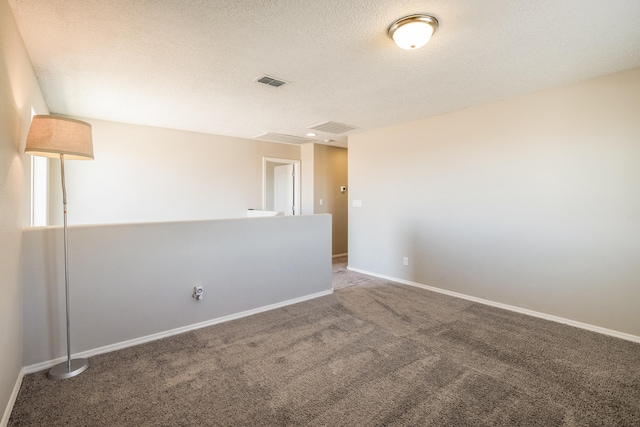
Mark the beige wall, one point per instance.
(307, 167)
(324, 171)
(19, 92)
(532, 202)
(148, 174)
(330, 172)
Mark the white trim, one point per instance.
(39, 191)
(12, 399)
(339, 255)
(296, 169)
(136, 341)
(520, 310)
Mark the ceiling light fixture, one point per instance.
(413, 31)
(312, 134)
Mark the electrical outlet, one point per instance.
(405, 261)
(198, 292)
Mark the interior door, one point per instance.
(283, 189)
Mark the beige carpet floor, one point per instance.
(374, 353)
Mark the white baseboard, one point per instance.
(12, 399)
(339, 255)
(130, 343)
(520, 310)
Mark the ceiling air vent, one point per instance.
(333, 127)
(282, 138)
(270, 81)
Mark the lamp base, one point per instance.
(63, 370)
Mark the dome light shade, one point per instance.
(414, 31)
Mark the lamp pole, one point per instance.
(70, 368)
(56, 136)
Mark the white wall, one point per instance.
(532, 202)
(269, 176)
(131, 281)
(19, 92)
(144, 174)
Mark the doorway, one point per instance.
(281, 185)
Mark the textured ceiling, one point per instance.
(191, 64)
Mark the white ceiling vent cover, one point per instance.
(270, 81)
(282, 138)
(333, 127)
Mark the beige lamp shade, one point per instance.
(50, 136)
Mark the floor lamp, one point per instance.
(54, 136)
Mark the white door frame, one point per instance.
(296, 180)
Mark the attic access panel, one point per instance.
(283, 138)
(333, 127)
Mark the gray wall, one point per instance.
(19, 93)
(532, 202)
(135, 280)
